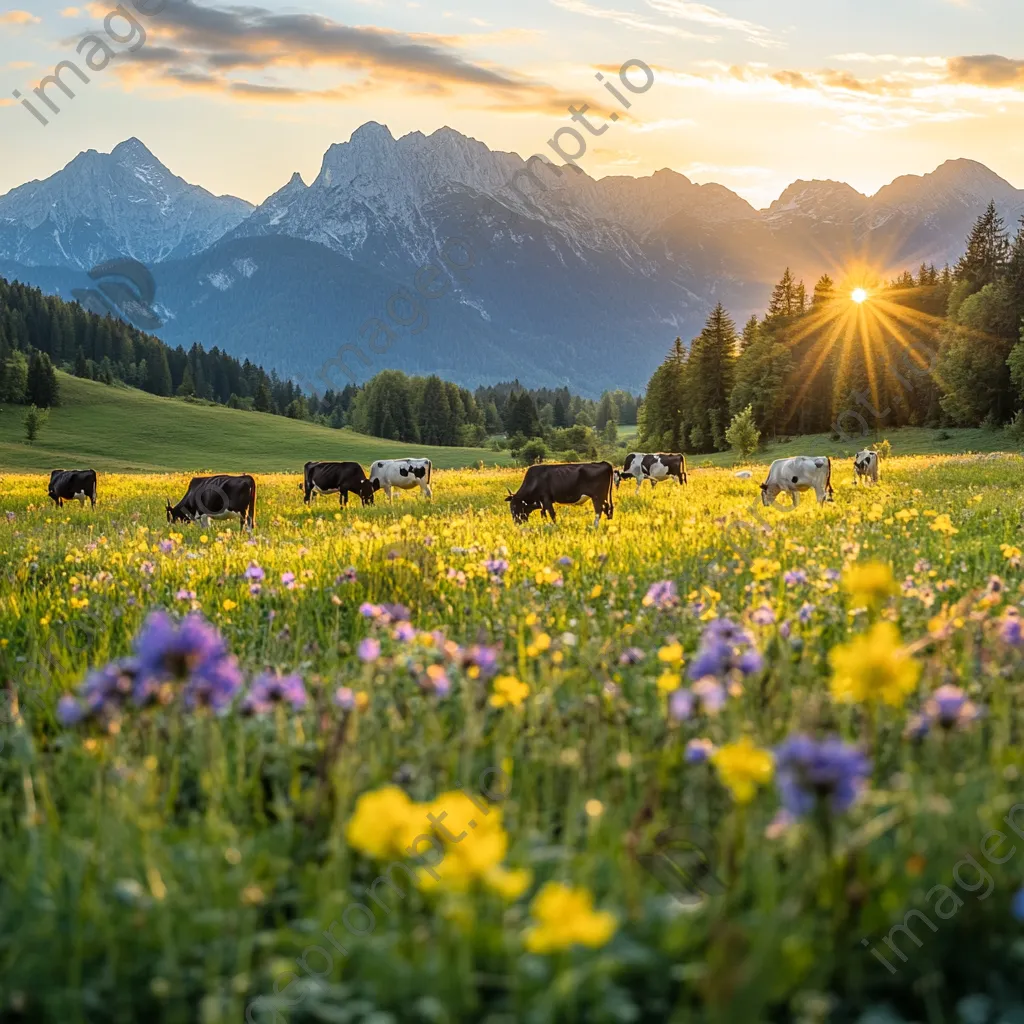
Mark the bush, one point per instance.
(531, 452)
(883, 448)
(1015, 430)
(743, 436)
(34, 420)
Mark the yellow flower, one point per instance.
(596, 592)
(472, 837)
(668, 681)
(764, 568)
(869, 583)
(873, 667)
(508, 691)
(742, 767)
(384, 823)
(942, 524)
(906, 514)
(77, 603)
(1011, 554)
(229, 605)
(508, 883)
(876, 513)
(565, 917)
(671, 654)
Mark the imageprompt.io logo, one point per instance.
(125, 290)
(681, 859)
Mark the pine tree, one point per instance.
(606, 412)
(559, 417)
(187, 387)
(81, 366)
(662, 419)
(262, 401)
(751, 332)
(435, 413)
(988, 249)
(523, 419)
(824, 290)
(158, 374)
(783, 300)
(41, 387)
(712, 366)
(743, 435)
(800, 300)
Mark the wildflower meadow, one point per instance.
(411, 763)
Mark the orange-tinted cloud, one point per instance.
(18, 18)
(989, 70)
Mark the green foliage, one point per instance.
(14, 381)
(34, 420)
(533, 451)
(41, 387)
(711, 371)
(743, 436)
(883, 448)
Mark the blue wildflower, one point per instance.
(810, 771)
(270, 689)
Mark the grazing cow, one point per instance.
(801, 473)
(404, 474)
(865, 465)
(216, 497)
(545, 486)
(69, 484)
(654, 467)
(336, 478)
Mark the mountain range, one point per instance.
(555, 278)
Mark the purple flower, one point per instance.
(215, 685)
(805, 613)
(10, 517)
(348, 576)
(1010, 627)
(270, 689)
(370, 611)
(395, 613)
(344, 698)
(185, 595)
(832, 575)
(794, 577)
(171, 651)
(810, 772)
(166, 546)
(104, 691)
(70, 712)
(255, 589)
(288, 580)
(147, 568)
(483, 658)
(254, 572)
(631, 656)
(497, 567)
(404, 632)
(917, 727)
(710, 693)
(698, 751)
(368, 649)
(725, 646)
(680, 704)
(763, 616)
(661, 595)
(950, 707)
(565, 560)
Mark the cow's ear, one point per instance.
(509, 498)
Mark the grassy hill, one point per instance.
(119, 429)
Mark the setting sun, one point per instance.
(859, 295)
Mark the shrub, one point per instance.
(531, 452)
(743, 435)
(34, 420)
(883, 448)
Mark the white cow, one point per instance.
(801, 473)
(865, 464)
(405, 474)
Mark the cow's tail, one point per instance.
(610, 501)
(94, 488)
(430, 468)
(828, 478)
(251, 510)
(682, 466)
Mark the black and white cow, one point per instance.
(336, 478)
(865, 466)
(69, 484)
(800, 473)
(405, 474)
(543, 487)
(654, 467)
(216, 497)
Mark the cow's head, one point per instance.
(617, 476)
(366, 490)
(769, 492)
(520, 507)
(375, 484)
(175, 515)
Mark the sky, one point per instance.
(752, 94)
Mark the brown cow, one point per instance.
(545, 486)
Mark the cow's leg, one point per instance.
(550, 507)
(600, 505)
(639, 484)
(796, 498)
(427, 492)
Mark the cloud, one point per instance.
(702, 14)
(627, 20)
(71, 12)
(989, 70)
(18, 18)
(252, 53)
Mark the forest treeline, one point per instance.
(39, 332)
(931, 349)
